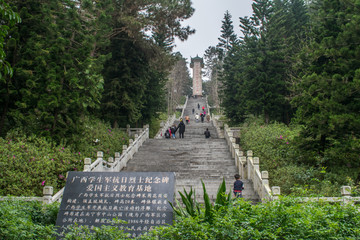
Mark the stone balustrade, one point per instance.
(165, 125)
(248, 168)
(218, 125)
(100, 165)
(183, 110)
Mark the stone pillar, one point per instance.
(87, 163)
(276, 192)
(99, 154)
(256, 162)
(110, 160)
(346, 193)
(128, 131)
(249, 155)
(47, 192)
(265, 177)
(124, 149)
(233, 143)
(244, 173)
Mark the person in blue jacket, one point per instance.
(238, 186)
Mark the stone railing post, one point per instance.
(346, 193)
(110, 160)
(256, 162)
(124, 149)
(249, 156)
(87, 163)
(275, 192)
(137, 143)
(244, 173)
(128, 131)
(48, 191)
(100, 156)
(265, 177)
(233, 146)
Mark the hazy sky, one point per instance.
(207, 22)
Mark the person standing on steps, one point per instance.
(173, 131)
(238, 186)
(197, 117)
(202, 117)
(198, 106)
(193, 110)
(207, 133)
(181, 128)
(187, 119)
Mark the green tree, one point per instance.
(228, 37)
(9, 18)
(328, 89)
(56, 77)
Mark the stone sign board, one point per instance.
(141, 199)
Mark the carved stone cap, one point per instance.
(265, 175)
(100, 154)
(249, 153)
(275, 190)
(117, 154)
(256, 160)
(346, 190)
(87, 161)
(111, 160)
(131, 141)
(48, 191)
(124, 147)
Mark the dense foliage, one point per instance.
(286, 218)
(27, 220)
(31, 162)
(296, 171)
(296, 62)
(67, 67)
(71, 58)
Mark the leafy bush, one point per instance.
(30, 162)
(154, 125)
(27, 220)
(292, 168)
(286, 218)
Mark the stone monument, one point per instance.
(94, 199)
(197, 64)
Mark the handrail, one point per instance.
(183, 110)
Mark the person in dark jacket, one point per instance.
(238, 186)
(207, 133)
(167, 133)
(181, 128)
(173, 131)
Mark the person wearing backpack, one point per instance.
(207, 133)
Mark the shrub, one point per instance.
(27, 220)
(30, 162)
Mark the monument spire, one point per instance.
(197, 63)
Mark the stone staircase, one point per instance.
(192, 158)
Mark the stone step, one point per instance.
(193, 159)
